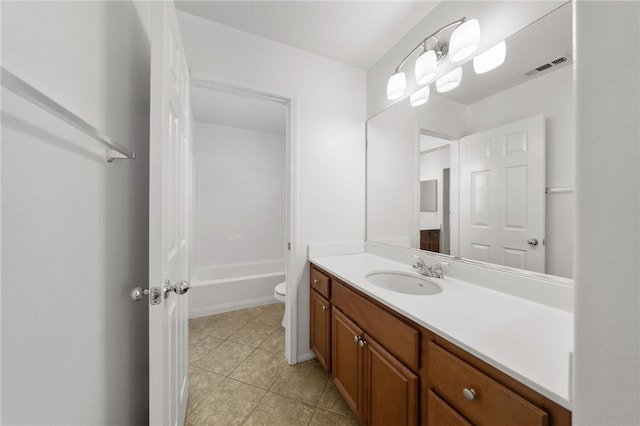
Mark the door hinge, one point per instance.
(289, 246)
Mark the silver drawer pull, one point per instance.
(356, 339)
(362, 342)
(316, 281)
(324, 308)
(469, 394)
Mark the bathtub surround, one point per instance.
(74, 227)
(238, 234)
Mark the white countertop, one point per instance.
(529, 341)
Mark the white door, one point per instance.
(502, 206)
(168, 163)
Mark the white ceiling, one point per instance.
(357, 33)
(229, 109)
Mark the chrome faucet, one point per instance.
(427, 271)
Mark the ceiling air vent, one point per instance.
(550, 64)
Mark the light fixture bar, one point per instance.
(423, 43)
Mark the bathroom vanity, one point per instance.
(467, 355)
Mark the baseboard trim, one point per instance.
(306, 356)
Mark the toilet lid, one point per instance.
(281, 289)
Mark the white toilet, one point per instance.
(280, 293)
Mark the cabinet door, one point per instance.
(390, 388)
(347, 360)
(321, 329)
(441, 414)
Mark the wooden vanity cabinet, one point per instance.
(347, 359)
(390, 388)
(392, 371)
(320, 312)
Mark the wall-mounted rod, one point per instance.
(559, 190)
(18, 86)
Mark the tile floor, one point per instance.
(238, 375)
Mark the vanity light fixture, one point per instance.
(490, 58)
(449, 81)
(464, 40)
(420, 97)
(461, 44)
(396, 85)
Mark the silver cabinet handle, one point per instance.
(469, 394)
(361, 342)
(356, 339)
(324, 308)
(532, 242)
(316, 281)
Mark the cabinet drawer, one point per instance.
(440, 413)
(320, 282)
(395, 335)
(493, 404)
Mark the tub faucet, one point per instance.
(427, 271)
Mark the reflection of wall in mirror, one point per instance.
(432, 163)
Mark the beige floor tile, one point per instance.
(281, 411)
(274, 343)
(224, 358)
(304, 382)
(331, 400)
(201, 384)
(326, 418)
(201, 344)
(242, 315)
(225, 327)
(272, 315)
(227, 405)
(253, 334)
(198, 325)
(260, 369)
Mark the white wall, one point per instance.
(239, 210)
(74, 227)
(607, 323)
(498, 20)
(393, 165)
(330, 116)
(431, 166)
(553, 96)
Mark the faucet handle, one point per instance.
(437, 269)
(420, 262)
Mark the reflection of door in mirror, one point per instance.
(435, 162)
(502, 201)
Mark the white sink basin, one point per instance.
(403, 282)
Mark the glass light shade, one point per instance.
(396, 86)
(490, 59)
(420, 97)
(426, 67)
(464, 40)
(449, 81)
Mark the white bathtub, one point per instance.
(217, 289)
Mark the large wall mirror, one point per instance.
(500, 148)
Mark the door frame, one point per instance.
(454, 178)
(203, 80)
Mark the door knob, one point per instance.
(532, 242)
(180, 288)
